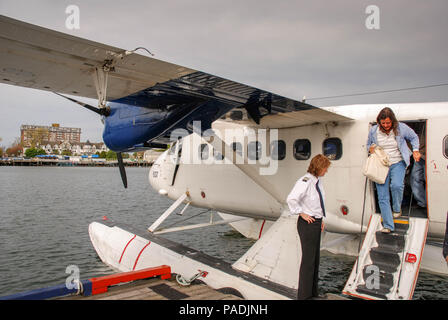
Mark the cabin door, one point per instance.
(437, 168)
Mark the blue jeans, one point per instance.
(418, 182)
(395, 178)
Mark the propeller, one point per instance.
(103, 112)
(122, 170)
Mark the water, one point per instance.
(45, 213)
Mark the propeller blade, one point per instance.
(122, 170)
(100, 111)
(103, 112)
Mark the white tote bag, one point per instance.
(377, 165)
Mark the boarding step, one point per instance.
(392, 240)
(388, 263)
(380, 293)
(401, 226)
(384, 260)
(382, 288)
(385, 277)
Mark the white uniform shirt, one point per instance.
(390, 145)
(304, 197)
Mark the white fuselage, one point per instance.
(227, 188)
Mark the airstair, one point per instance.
(388, 263)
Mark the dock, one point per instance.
(155, 283)
(147, 284)
(158, 289)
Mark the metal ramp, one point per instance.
(388, 264)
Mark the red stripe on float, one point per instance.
(261, 230)
(138, 257)
(126, 248)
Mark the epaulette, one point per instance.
(305, 179)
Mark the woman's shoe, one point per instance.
(396, 214)
(385, 230)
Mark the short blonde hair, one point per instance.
(318, 163)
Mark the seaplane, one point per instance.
(238, 151)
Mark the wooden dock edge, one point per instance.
(92, 286)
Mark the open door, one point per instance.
(414, 202)
(388, 264)
(436, 169)
(410, 206)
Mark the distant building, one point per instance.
(55, 139)
(31, 135)
(88, 148)
(76, 149)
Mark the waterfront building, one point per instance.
(55, 139)
(76, 149)
(32, 135)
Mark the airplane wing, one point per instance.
(40, 58)
(300, 118)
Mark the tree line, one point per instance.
(16, 149)
(109, 155)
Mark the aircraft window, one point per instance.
(278, 150)
(218, 155)
(236, 115)
(332, 148)
(203, 151)
(236, 146)
(445, 146)
(302, 149)
(254, 150)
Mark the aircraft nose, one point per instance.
(155, 174)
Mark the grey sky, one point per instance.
(292, 48)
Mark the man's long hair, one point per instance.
(318, 163)
(388, 113)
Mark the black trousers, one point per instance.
(309, 234)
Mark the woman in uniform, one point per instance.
(307, 201)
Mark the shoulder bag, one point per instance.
(377, 165)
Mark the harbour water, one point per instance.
(45, 213)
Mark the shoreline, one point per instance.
(68, 163)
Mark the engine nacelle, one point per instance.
(132, 128)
